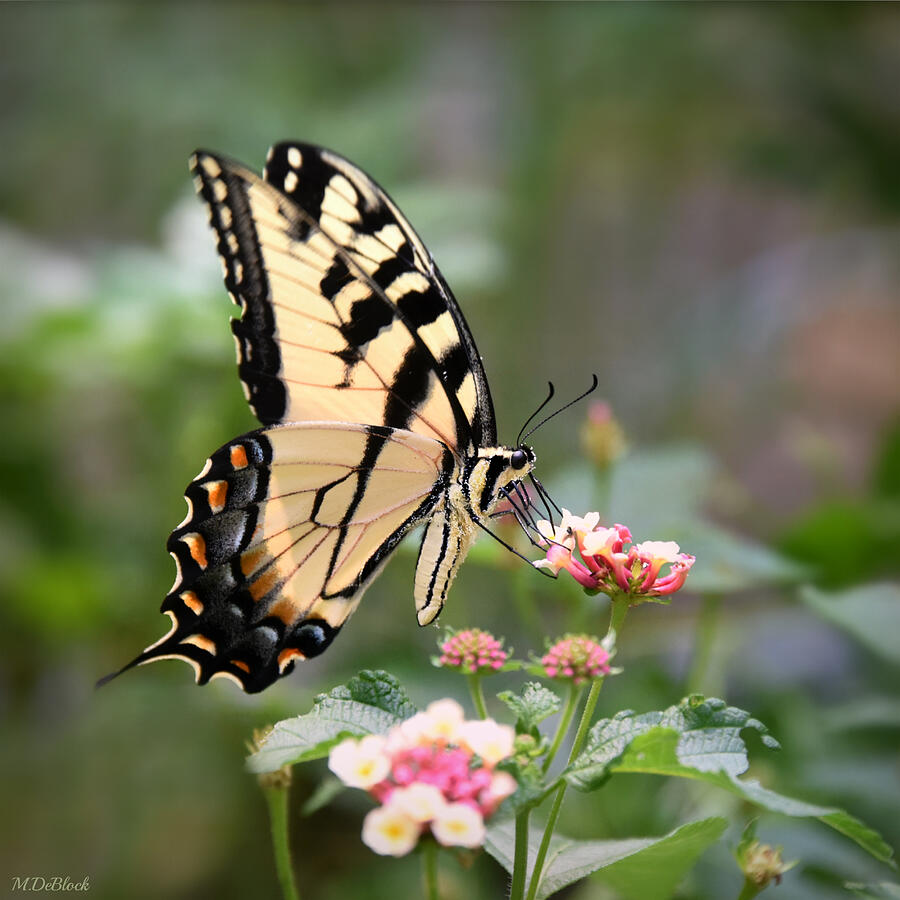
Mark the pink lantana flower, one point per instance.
(474, 651)
(607, 559)
(578, 658)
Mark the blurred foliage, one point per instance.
(699, 204)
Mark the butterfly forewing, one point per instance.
(344, 315)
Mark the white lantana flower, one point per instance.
(491, 741)
(459, 825)
(419, 801)
(443, 719)
(580, 524)
(360, 763)
(389, 831)
(664, 551)
(595, 542)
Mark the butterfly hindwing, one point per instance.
(286, 527)
(344, 315)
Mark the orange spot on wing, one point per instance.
(285, 657)
(239, 456)
(192, 601)
(217, 491)
(196, 547)
(264, 583)
(251, 559)
(204, 643)
(241, 665)
(285, 610)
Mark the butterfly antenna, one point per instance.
(590, 390)
(528, 420)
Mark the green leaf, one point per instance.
(728, 562)
(532, 706)
(370, 703)
(871, 614)
(709, 739)
(884, 890)
(639, 868)
(700, 739)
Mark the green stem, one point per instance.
(520, 859)
(545, 841)
(429, 869)
(580, 736)
(277, 800)
(619, 604)
(563, 727)
(602, 482)
(706, 636)
(477, 693)
(618, 612)
(750, 890)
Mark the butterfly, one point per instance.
(376, 417)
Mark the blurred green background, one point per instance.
(699, 203)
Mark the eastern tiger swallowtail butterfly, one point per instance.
(376, 417)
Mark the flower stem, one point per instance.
(474, 680)
(429, 869)
(707, 626)
(750, 890)
(563, 727)
(520, 859)
(619, 604)
(277, 800)
(580, 736)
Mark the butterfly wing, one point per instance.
(286, 528)
(344, 314)
(350, 343)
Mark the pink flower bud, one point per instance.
(577, 657)
(473, 650)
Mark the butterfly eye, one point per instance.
(518, 459)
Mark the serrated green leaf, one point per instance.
(708, 738)
(639, 868)
(370, 703)
(671, 743)
(870, 613)
(532, 706)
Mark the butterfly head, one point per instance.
(492, 471)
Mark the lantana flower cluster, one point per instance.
(474, 651)
(434, 772)
(578, 658)
(609, 561)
